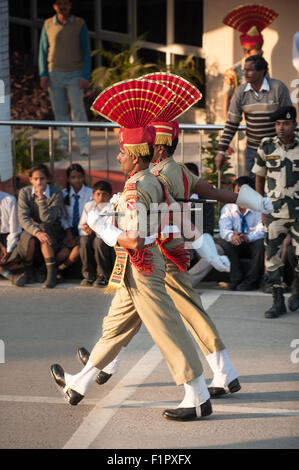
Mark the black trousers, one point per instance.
(253, 251)
(97, 258)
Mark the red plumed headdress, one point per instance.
(134, 104)
(250, 20)
(186, 95)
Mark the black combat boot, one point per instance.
(293, 302)
(278, 308)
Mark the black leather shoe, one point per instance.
(102, 376)
(58, 375)
(83, 355)
(72, 397)
(233, 285)
(217, 392)
(189, 414)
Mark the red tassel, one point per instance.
(179, 255)
(142, 260)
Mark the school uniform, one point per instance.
(96, 256)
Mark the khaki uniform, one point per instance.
(233, 77)
(143, 296)
(280, 167)
(178, 283)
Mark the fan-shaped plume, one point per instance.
(133, 103)
(244, 17)
(186, 94)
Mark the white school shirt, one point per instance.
(230, 221)
(85, 194)
(9, 222)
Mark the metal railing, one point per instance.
(200, 128)
(106, 126)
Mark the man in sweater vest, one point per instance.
(64, 67)
(257, 99)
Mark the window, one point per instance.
(189, 22)
(151, 20)
(20, 8)
(115, 15)
(19, 38)
(149, 56)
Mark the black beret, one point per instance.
(284, 113)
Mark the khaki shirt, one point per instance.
(280, 167)
(233, 77)
(170, 173)
(141, 193)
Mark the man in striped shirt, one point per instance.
(257, 99)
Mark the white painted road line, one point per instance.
(150, 404)
(44, 400)
(217, 408)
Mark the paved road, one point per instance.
(41, 327)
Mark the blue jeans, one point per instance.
(64, 88)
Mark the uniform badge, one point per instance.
(131, 196)
(130, 186)
(156, 172)
(131, 205)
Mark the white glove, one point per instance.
(251, 199)
(107, 232)
(207, 250)
(221, 263)
(115, 198)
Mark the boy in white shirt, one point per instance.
(242, 236)
(96, 256)
(9, 235)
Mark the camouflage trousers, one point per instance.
(275, 232)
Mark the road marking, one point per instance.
(148, 404)
(217, 408)
(44, 400)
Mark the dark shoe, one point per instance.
(72, 397)
(100, 282)
(58, 375)
(50, 283)
(293, 302)
(30, 278)
(247, 285)
(189, 414)
(278, 308)
(39, 275)
(86, 283)
(19, 279)
(233, 387)
(102, 376)
(83, 355)
(233, 285)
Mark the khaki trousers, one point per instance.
(143, 298)
(188, 303)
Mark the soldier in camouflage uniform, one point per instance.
(277, 174)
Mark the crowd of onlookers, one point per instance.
(45, 232)
(44, 236)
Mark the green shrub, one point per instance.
(40, 151)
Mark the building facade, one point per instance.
(172, 29)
